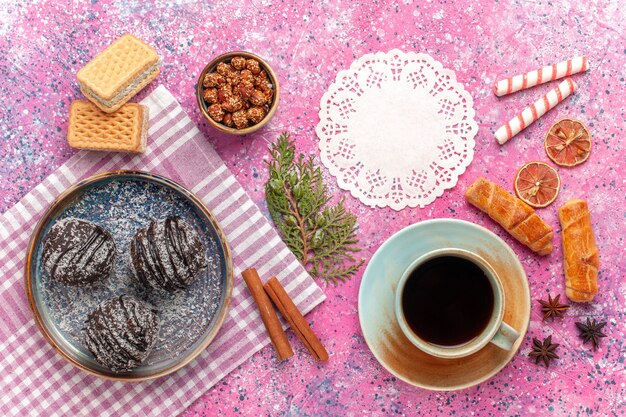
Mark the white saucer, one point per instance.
(377, 294)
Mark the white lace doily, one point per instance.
(396, 129)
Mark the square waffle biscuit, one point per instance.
(126, 130)
(119, 72)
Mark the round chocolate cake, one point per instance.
(121, 333)
(78, 252)
(168, 254)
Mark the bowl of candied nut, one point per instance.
(237, 92)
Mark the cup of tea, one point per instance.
(450, 304)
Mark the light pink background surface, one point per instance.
(44, 43)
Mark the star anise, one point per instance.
(552, 308)
(544, 350)
(591, 331)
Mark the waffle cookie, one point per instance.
(118, 73)
(126, 130)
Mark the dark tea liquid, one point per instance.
(447, 300)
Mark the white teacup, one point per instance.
(496, 331)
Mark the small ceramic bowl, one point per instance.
(210, 67)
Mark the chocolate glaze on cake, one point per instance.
(78, 252)
(168, 254)
(121, 333)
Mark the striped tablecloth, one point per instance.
(37, 381)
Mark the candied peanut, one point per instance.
(238, 62)
(261, 76)
(210, 95)
(246, 76)
(232, 104)
(267, 92)
(253, 66)
(257, 98)
(245, 90)
(256, 114)
(216, 112)
(234, 79)
(224, 93)
(224, 69)
(240, 118)
(228, 120)
(213, 79)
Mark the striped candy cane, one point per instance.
(540, 76)
(535, 111)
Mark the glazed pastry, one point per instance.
(517, 217)
(121, 333)
(78, 252)
(168, 254)
(580, 254)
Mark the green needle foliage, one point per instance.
(322, 237)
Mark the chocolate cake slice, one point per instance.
(78, 252)
(122, 332)
(168, 254)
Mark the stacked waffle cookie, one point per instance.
(109, 81)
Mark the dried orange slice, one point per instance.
(537, 184)
(568, 143)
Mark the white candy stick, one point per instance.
(540, 76)
(535, 111)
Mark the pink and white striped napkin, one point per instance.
(37, 381)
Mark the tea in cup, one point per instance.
(450, 303)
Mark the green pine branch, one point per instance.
(321, 236)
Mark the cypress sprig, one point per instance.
(321, 236)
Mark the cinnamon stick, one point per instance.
(270, 319)
(295, 319)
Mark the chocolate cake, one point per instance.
(168, 254)
(78, 252)
(121, 333)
